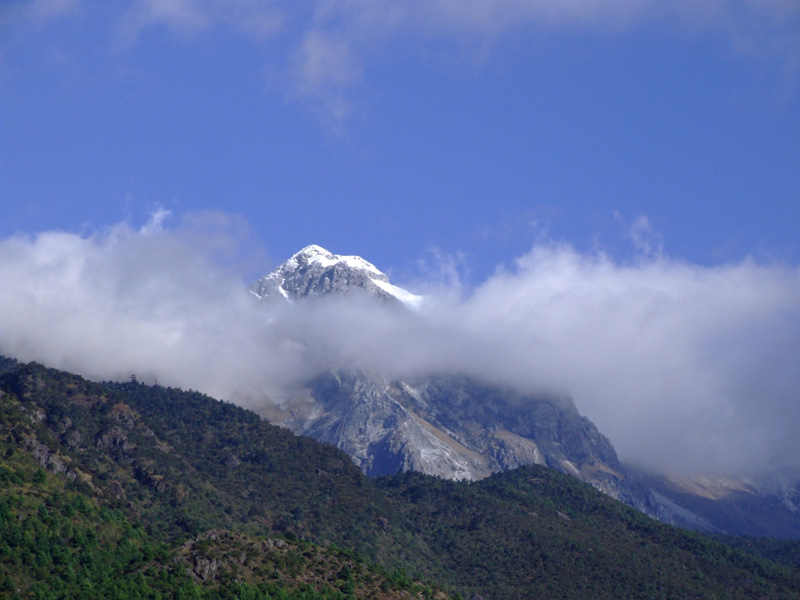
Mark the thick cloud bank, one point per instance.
(684, 367)
(148, 303)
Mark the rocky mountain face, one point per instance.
(449, 425)
(763, 506)
(316, 272)
(455, 427)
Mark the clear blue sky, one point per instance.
(389, 129)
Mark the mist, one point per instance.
(686, 368)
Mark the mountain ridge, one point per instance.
(170, 471)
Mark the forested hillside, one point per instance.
(132, 489)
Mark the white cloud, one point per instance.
(258, 19)
(156, 222)
(666, 357)
(333, 43)
(154, 303)
(324, 68)
(646, 240)
(360, 27)
(325, 48)
(682, 366)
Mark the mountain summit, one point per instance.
(314, 271)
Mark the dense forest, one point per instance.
(135, 491)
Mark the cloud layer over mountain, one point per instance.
(684, 367)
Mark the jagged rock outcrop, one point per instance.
(48, 459)
(227, 555)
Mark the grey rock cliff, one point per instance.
(459, 428)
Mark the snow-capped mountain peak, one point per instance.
(317, 255)
(314, 271)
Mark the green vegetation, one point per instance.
(538, 529)
(58, 543)
(778, 550)
(94, 505)
(128, 490)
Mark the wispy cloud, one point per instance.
(646, 239)
(52, 9)
(257, 19)
(360, 26)
(182, 15)
(682, 366)
(16, 14)
(324, 70)
(326, 48)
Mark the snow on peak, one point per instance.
(299, 275)
(318, 255)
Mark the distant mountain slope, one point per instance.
(450, 426)
(178, 465)
(458, 427)
(768, 505)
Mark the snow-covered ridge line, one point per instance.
(318, 255)
(406, 297)
(308, 272)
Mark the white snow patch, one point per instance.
(406, 297)
(322, 260)
(319, 256)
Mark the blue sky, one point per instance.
(601, 198)
(471, 129)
